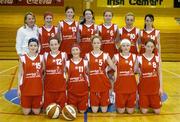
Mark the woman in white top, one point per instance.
(24, 33)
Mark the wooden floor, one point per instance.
(170, 111)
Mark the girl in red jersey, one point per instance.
(150, 32)
(77, 84)
(150, 85)
(130, 32)
(125, 85)
(30, 79)
(87, 28)
(54, 81)
(67, 31)
(109, 33)
(99, 83)
(46, 31)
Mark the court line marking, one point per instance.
(173, 73)
(3, 71)
(110, 115)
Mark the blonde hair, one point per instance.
(25, 17)
(95, 36)
(130, 14)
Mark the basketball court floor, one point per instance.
(11, 112)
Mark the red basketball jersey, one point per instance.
(31, 83)
(145, 36)
(132, 35)
(126, 81)
(108, 34)
(77, 83)
(44, 36)
(54, 78)
(69, 35)
(86, 31)
(149, 78)
(97, 76)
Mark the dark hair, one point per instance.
(69, 7)
(108, 11)
(54, 37)
(152, 41)
(84, 12)
(150, 16)
(25, 17)
(33, 40)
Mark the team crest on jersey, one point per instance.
(96, 60)
(48, 34)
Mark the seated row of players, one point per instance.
(70, 31)
(67, 81)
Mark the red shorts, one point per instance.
(81, 102)
(31, 101)
(153, 101)
(54, 97)
(99, 98)
(125, 100)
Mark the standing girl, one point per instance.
(109, 33)
(54, 81)
(30, 79)
(150, 32)
(87, 28)
(46, 32)
(125, 85)
(130, 32)
(150, 86)
(99, 83)
(67, 31)
(77, 85)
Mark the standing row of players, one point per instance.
(73, 81)
(70, 31)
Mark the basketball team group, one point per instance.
(81, 63)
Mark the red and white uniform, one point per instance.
(31, 81)
(132, 35)
(149, 84)
(69, 35)
(108, 34)
(145, 36)
(77, 85)
(86, 31)
(125, 86)
(44, 36)
(54, 82)
(99, 83)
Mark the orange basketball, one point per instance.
(53, 110)
(69, 112)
